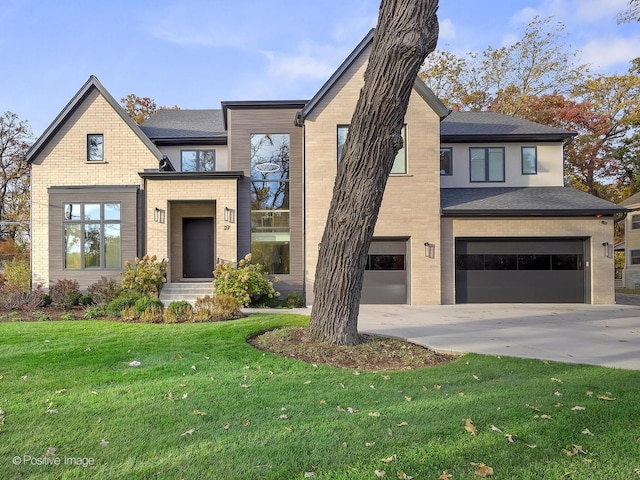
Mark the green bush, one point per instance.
(178, 312)
(245, 282)
(65, 293)
(146, 276)
(152, 314)
(104, 290)
(85, 300)
(144, 302)
(17, 274)
(94, 311)
(122, 301)
(216, 309)
(292, 300)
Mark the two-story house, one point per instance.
(474, 211)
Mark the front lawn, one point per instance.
(203, 404)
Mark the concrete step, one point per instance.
(187, 291)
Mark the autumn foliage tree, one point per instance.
(406, 33)
(141, 108)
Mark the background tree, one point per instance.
(631, 13)
(141, 108)
(15, 139)
(406, 33)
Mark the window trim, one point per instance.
(635, 221)
(535, 160)
(96, 160)
(198, 151)
(450, 150)
(486, 165)
(633, 257)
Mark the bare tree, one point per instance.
(407, 32)
(141, 108)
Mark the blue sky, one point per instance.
(195, 53)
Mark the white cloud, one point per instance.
(603, 53)
(310, 61)
(596, 10)
(447, 30)
(524, 16)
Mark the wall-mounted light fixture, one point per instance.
(158, 215)
(229, 215)
(429, 250)
(608, 249)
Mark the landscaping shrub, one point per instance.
(178, 312)
(65, 293)
(14, 298)
(145, 276)
(104, 290)
(85, 300)
(215, 309)
(292, 300)
(152, 314)
(144, 302)
(129, 314)
(94, 311)
(17, 274)
(245, 282)
(122, 301)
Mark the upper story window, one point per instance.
(635, 222)
(198, 160)
(529, 160)
(486, 164)
(400, 162)
(95, 147)
(92, 237)
(446, 161)
(635, 257)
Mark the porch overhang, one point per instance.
(158, 175)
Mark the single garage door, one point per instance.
(533, 270)
(385, 277)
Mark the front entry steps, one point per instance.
(188, 291)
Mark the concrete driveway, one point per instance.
(607, 335)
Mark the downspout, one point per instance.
(299, 122)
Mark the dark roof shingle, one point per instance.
(176, 124)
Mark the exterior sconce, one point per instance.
(608, 249)
(229, 215)
(429, 250)
(158, 215)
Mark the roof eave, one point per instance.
(531, 213)
(504, 138)
(158, 175)
(258, 104)
(176, 141)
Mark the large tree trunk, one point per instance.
(407, 32)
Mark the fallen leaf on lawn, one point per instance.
(184, 396)
(134, 363)
(404, 476)
(103, 443)
(1, 377)
(545, 417)
(341, 385)
(407, 399)
(188, 432)
(379, 473)
(206, 358)
(369, 444)
(372, 387)
(246, 423)
(578, 408)
(389, 432)
(355, 372)
(309, 474)
(437, 387)
(509, 437)
(88, 349)
(322, 402)
(344, 444)
(52, 411)
(445, 475)
(589, 393)
(62, 390)
(402, 424)
(470, 427)
(606, 398)
(93, 392)
(388, 459)
(476, 377)
(461, 394)
(178, 356)
(182, 385)
(483, 470)
(23, 377)
(557, 394)
(246, 367)
(384, 377)
(374, 414)
(1, 419)
(495, 429)
(307, 382)
(226, 426)
(50, 451)
(558, 405)
(193, 367)
(284, 416)
(340, 409)
(270, 372)
(351, 410)
(573, 449)
(532, 446)
(99, 420)
(245, 385)
(637, 471)
(198, 412)
(557, 380)
(587, 432)
(532, 407)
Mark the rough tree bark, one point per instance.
(407, 32)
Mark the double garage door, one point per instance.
(532, 270)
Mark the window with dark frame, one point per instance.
(95, 147)
(635, 257)
(400, 162)
(92, 236)
(635, 222)
(486, 164)
(446, 161)
(529, 160)
(198, 160)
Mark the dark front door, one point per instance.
(197, 248)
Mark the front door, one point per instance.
(197, 247)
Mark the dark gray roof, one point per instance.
(185, 124)
(523, 201)
(483, 126)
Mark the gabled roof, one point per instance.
(632, 200)
(472, 127)
(424, 91)
(185, 126)
(523, 201)
(92, 84)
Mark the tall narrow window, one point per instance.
(529, 160)
(400, 162)
(198, 160)
(95, 148)
(446, 161)
(486, 164)
(92, 236)
(635, 222)
(270, 224)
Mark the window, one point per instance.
(198, 160)
(385, 262)
(635, 257)
(270, 226)
(399, 164)
(95, 148)
(446, 161)
(635, 222)
(92, 237)
(521, 261)
(529, 160)
(486, 164)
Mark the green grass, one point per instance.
(628, 290)
(80, 369)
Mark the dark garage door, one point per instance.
(385, 277)
(520, 271)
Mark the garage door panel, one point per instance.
(385, 277)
